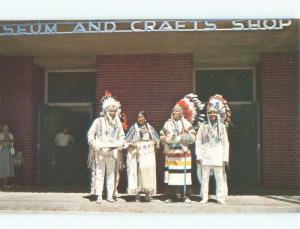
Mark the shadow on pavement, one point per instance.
(74, 188)
(289, 199)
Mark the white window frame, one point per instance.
(64, 104)
(253, 69)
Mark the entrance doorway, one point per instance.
(243, 174)
(238, 87)
(52, 121)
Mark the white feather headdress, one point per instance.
(109, 102)
(219, 104)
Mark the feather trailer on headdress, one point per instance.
(192, 108)
(219, 104)
(109, 102)
(123, 119)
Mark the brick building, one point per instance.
(48, 81)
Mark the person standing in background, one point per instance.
(6, 155)
(18, 163)
(62, 156)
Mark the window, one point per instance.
(236, 85)
(71, 87)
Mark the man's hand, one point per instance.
(199, 162)
(167, 140)
(96, 145)
(132, 145)
(173, 140)
(155, 144)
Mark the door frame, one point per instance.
(44, 105)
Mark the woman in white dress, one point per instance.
(142, 141)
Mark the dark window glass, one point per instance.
(71, 87)
(234, 85)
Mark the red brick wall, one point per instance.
(152, 83)
(280, 121)
(18, 76)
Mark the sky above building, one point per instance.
(154, 9)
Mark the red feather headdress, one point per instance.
(191, 107)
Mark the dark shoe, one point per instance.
(178, 198)
(138, 197)
(147, 198)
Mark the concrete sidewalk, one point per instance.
(82, 202)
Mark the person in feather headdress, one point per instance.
(119, 158)
(176, 136)
(105, 138)
(212, 148)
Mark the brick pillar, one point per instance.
(19, 105)
(152, 83)
(2, 115)
(280, 121)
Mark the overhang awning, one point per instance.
(238, 48)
